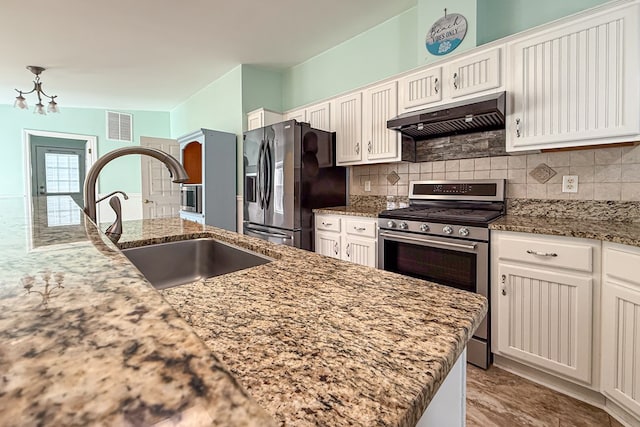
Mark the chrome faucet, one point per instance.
(176, 171)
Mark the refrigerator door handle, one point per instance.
(269, 178)
(281, 236)
(260, 167)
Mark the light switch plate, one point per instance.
(367, 186)
(570, 184)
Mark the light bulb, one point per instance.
(39, 109)
(20, 102)
(53, 107)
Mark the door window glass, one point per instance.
(62, 210)
(62, 173)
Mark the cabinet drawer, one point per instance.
(573, 256)
(366, 228)
(622, 263)
(328, 223)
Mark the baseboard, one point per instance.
(568, 388)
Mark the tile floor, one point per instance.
(498, 398)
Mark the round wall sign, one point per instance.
(446, 34)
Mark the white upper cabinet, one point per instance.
(298, 115)
(470, 74)
(318, 116)
(262, 117)
(475, 73)
(347, 119)
(420, 89)
(576, 83)
(380, 105)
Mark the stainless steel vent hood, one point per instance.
(473, 115)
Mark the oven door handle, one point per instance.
(427, 241)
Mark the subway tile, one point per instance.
(582, 157)
(517, 162)
(561, 158)
(585, 191)
(603, 191)
(438, 167)
(534, 160)
(608, 156)
(467, 165)
(482, 174)
(499, 174)
(483, 164)
(466, 175)
(452, 175)
(426, 167)
(414, 168)
(452, 166)
(517, 176)
(608, 173)
(554, 191)
(630, 191)
(631, 154)
(630, 172)
(438, 175)
(499, 163)
(585, 173)
(536, 191)
(517, 191)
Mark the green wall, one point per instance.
(500, 18)
(261, 88)
(376, 54)
(121, 174)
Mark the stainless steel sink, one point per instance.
(176, 263)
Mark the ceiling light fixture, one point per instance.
(21, 102)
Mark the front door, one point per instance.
(160, 195)
(59, 172)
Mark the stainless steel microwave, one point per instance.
(191, 198)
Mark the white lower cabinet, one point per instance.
(621, 326)
(542, 302)
(349, 238)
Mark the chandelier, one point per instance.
(21, 102)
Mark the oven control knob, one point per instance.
(424, 228)
(391, 224)
(464, 231)
(403, 226)
(447, 229)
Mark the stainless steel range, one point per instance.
(443, 237)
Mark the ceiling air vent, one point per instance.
(119, 126)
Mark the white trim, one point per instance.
(91, 155)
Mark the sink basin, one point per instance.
(176, 263)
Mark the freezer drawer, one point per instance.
(273, 235)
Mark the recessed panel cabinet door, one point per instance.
(420, 89)
(328, 244)
(348, 124)
(380, 105)
(544, 319)
(473, 74)
(360, 251)
(319, 116)
(576, 84)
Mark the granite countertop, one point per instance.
(303, 340)
(627, 233)
(366, 211)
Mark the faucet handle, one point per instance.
(115, 230)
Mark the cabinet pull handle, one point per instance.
(455, 81)
(327, 224)
(335, 248)
(504, 287)
(369, 147)
(359, 228)
(517, 128)
(436, 85)
(357, 148)
(549, 254)
(348, 250)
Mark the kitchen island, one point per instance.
(303, 340)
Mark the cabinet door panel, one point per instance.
(576, 84)
(319, 116)
(360, 251)
(328, 244)
(348, 122)
(298, 115)
(380, 105)
(545, 320)
(474, 74)
(421, 89)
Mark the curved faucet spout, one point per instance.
(176, 171)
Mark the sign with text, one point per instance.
(446, 34)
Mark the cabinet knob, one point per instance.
(436, 85)
(369, 147)
(517, 128)
(357, 148)
(349, 250)
(335, 248)
(503, 279)
(145, 201)
(455, 81)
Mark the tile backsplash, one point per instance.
(603, 174)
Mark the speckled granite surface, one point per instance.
(367, 206)
(356, 210)
(597, 210)
(627, 233)
(314, 341)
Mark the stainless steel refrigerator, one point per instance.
(289, 170)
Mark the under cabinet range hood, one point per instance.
(472, 115)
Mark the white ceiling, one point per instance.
(154, 54)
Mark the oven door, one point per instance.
(461, 264)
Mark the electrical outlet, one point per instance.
(570, 184)
(367, 186)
